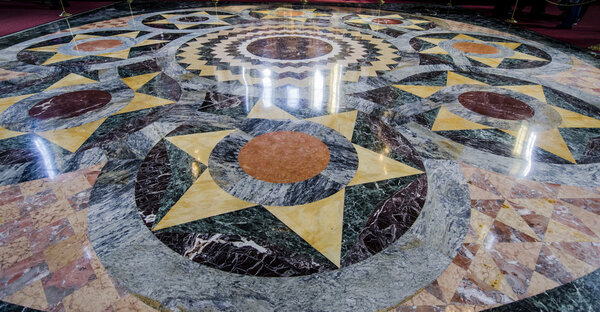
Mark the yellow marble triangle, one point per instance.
(447, 120)
(416, 21)
(420, 91)
(456, 79)
(269, 112)
(489, 61)
(377, 27)
(137, 82)
(319, 223)
(50, 48)
(553, 142)
(558, 232)
(32, 296)
(374, 167)
(84, 36)
(392, 16)
(523, 56)
(203, 199)
(164, 21)
(510, 45)
(219, 22)
(484, 268)
(142, 101)
(357, 21)
(59, 57)
(434, 50)
(342, 122)
(72, 138)
(575, 120)
(71, 80)
(184, 26)
(534, 91)
(465, 37)
(5, 133)
(415, 27)
(8, 101)
(509, 216)
(123, 54)
(149, 42)
(132, 34)
(435, 41)
(199, 145)
(169, 15)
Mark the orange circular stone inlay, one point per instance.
(284, 157)
(98, 45)
(387, 21)
(474, 47)
(289, 13)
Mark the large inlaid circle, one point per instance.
(387, 21)
(474, 47)
(284, 157)
(289, 48)
(496, 105)
(98, 45)
(71, 104)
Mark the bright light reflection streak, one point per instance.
(46, 157)
(247, 97)
(528, 153)
(318, 85)
(293, 97)
(267, 88)
(334, 88)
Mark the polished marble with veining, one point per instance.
(282, 157)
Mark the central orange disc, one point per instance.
(474, 47)
(98, 45)
(289, 13)
(284, 157)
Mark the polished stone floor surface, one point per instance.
(193, 157)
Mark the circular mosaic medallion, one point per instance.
(70, 104)
(496, 105)
(331, 168)
(278, 52)
(284, 157)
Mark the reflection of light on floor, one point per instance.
(267, 88)
(247, 97)
(334, 88)
(524, 144)
(293, 97)
(317, 103)
(46, 157)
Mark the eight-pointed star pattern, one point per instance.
(319, 223)
(550, 140)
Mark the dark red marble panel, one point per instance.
(71, 104)
(496, 105)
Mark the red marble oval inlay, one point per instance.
(98, 45)
(387, 21)
(289, 13)
(284, 157)
(289, 48)
(72, 104)
(496, 105)
(474, 47)
(193, 19)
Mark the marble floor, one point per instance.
(200, 157)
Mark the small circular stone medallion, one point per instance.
(474, 47)
(98, 45)
(496, 105)
(71, 104)
(284, 157)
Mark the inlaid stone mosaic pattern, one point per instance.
(200, 157)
